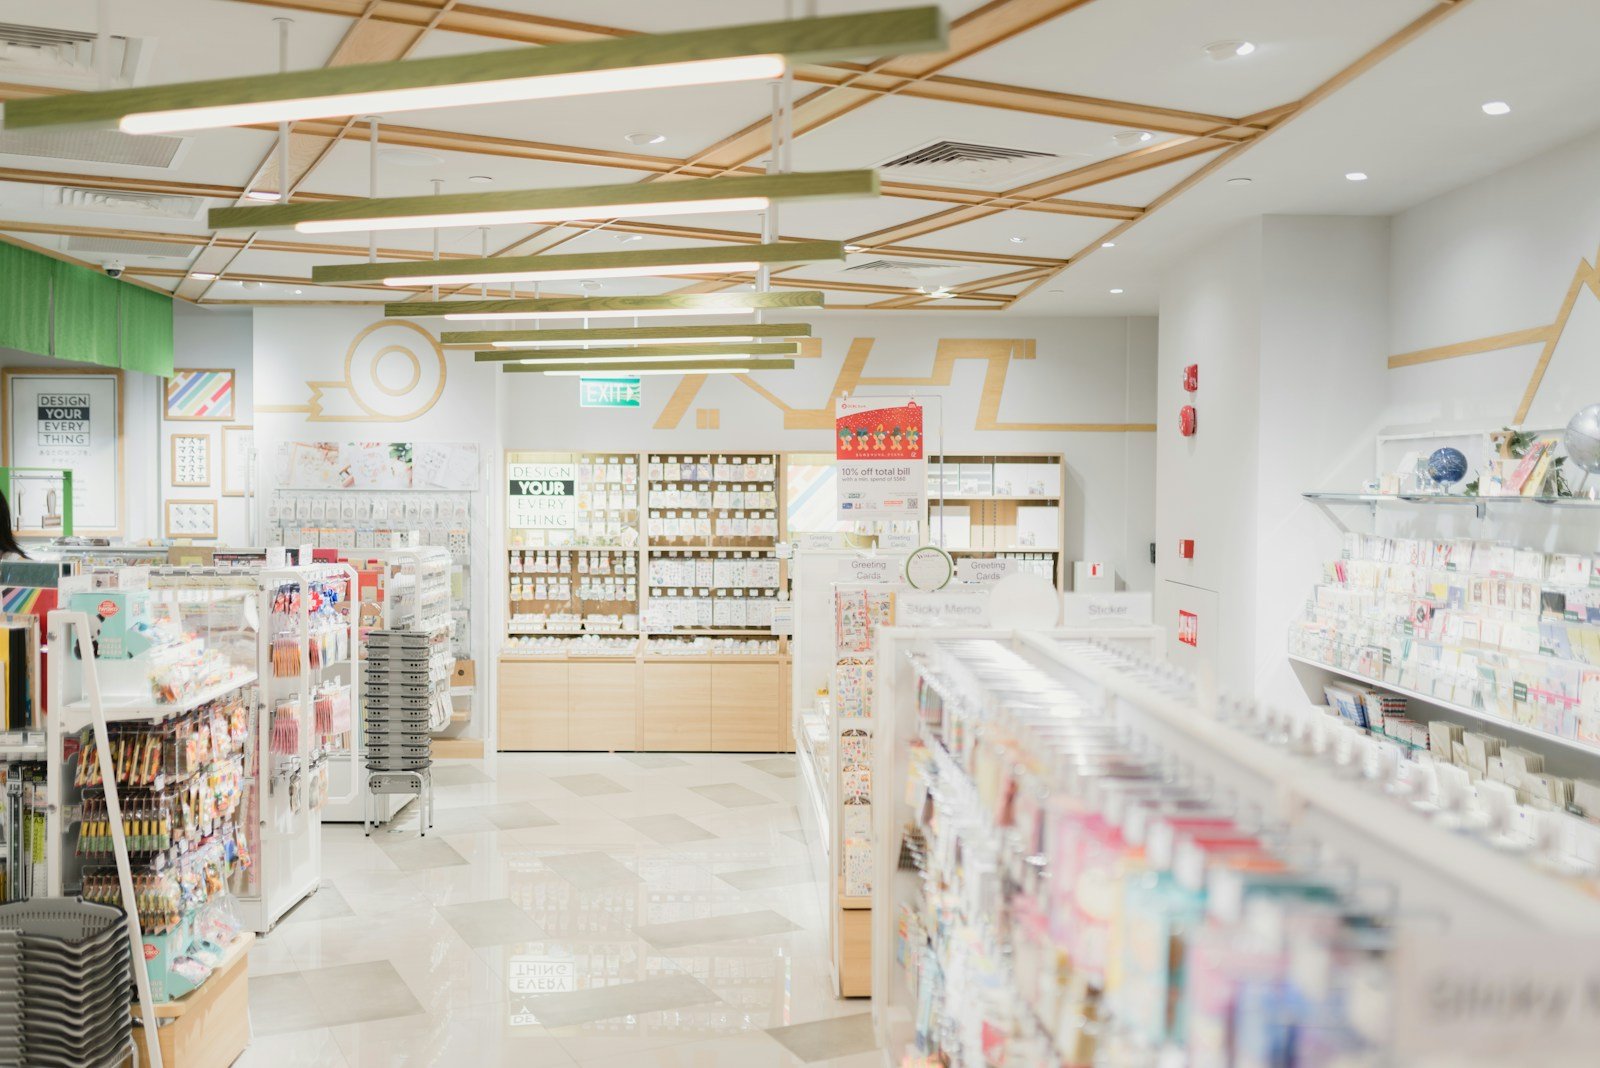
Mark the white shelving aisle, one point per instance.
(1341, 807)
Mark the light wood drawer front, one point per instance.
(533, 705)
(748, 709)
(604, 699)
(675, 708)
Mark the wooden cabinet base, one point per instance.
(732, 705)
(852, 952)
(210, 1027)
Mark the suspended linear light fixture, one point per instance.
(606, 307)
(643, 353)
(622, 335)
(699, 259)
(700, 197)
(681, 367)
(696, 57)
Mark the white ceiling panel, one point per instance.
(190, 40)
(409, 172)
(1053, 236)
(1137, 190)
(1153, 51)
(892, 126)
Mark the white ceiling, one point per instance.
(1413, 122)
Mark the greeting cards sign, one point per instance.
(542, 496)
(878, 445)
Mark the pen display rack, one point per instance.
(660, 635)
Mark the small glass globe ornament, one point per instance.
(1583, 439)
(1447, 466)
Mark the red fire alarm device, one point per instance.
(1186, 548)
(1191, 377)
(1186, 420)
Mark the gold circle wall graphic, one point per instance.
(406, 355)
(381, 342)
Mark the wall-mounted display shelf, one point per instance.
(665, 641)
(1481, 505)
(1000, 506)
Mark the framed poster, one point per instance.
(238, 448)
(191, 460)
(191, 519)
(65, 419)
(200, 393)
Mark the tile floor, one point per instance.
(640, 910)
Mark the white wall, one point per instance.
(1205, 484)
(1286, 317)
(1086, 370)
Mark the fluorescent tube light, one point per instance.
(699, 259)
(656, 371)
(642, 271)
(621, 210)
(598, 313)
(712, 56)
(458, 94)
(608, 307)
(631, 341)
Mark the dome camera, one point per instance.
(114, 268)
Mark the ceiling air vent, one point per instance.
(94, 146)
(120, 246)
(915, 268)
(148, 205)
(70, 59)
(963, 163)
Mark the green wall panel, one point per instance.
(60, 309)
(24, 299)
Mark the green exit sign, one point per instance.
(608, 391)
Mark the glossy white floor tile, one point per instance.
(585, 909)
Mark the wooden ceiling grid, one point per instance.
(392, 29)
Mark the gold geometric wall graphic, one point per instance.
(997, 353)
(1587, 276)
(394, 372)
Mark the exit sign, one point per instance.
(612, 391)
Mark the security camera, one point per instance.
(114, 268)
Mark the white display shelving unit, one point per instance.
(416, 587)
(76, 703)
(1377, 841)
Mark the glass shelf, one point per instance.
(1478, 504)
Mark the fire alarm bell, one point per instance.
(1191, 377)
(1186, 548)
(1186, 420)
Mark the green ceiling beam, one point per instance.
(698, 259)
(573, 307)
(635, 352)
(474, 338)
(635, 62)
(687, 367)
(514, 206)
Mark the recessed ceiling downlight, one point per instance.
(1115, 292)
(1497, 107)
(1240, 181)
(1221, 51)
(1132, 138)
(645, 138)
(1356, 176)
(261, 194)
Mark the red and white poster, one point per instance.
(1188, 628)
(878, 443)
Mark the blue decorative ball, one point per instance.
(1447, 465)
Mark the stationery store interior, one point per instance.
(783, 533)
